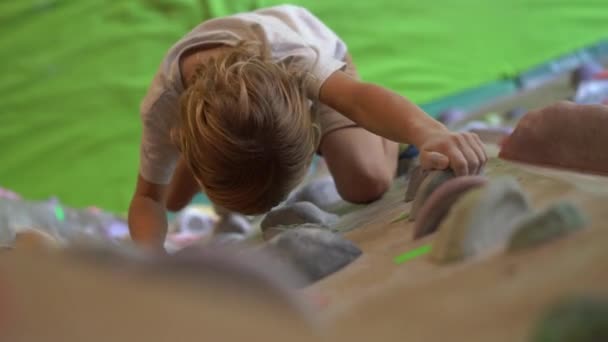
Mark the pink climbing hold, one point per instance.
(585, 72)
(564, 135)
(603, 75)
(94, 210)
(8, 194)
(430, 183)
(441, 200)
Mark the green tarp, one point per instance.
(72, 72)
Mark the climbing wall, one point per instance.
(517, 253)
(498, 295)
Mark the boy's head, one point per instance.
(246, 130)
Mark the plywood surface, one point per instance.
(495, 298)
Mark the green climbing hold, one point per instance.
(414, 253)
(579, 319)
(59, 213)
(555, 221)
(401, 217)
(493, 119)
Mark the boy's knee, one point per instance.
(366, 186)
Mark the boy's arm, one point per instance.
(147, 215)
(392, 116)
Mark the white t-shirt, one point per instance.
(288, 31)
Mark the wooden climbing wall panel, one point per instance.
(495, 298)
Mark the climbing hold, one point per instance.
(34, 239)
(410, 151)
(556, 220)
(431, 182)
(294, 214)
(483, 219)
(451, 116)
(515, 113)
(197, 220)
(407, 159)
(580, 319)
(592, 92)
(216, 260)
(415, 178)
(493, 119)
(228, 239)
(234, 223)
(563, 135)
(313, 251)
(321, 192)
(585, 72)
(441, 200)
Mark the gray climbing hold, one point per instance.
(294, 214)
(416, 177)
(430, 183)
(269, 233)
(577, 319)
(228, 239)
(234, 223)
(556, 220)
(315, 252)
(450, 116)
(244, 266)
(483, 219)
(515, 113)
(321, 192)
(193, 220)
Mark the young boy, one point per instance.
(240, 105)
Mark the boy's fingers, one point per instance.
(434, 161)
(470, 156)
(477, 147)
(458, 162)
(483, 148)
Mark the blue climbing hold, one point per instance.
(410, 152)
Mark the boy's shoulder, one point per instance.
(160, 100)
(285, 8)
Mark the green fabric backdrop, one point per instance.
(73, 71)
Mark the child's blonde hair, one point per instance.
(246, 129)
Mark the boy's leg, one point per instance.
(363, 164)
(182, 188)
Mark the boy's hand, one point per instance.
(147, 215)
(462, 152)
(394, 117)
